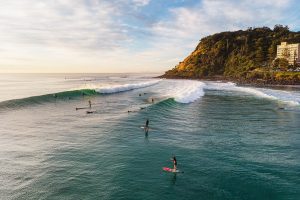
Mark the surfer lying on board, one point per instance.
(147, 126)
(174, 163)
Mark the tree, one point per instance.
(272, 51)
(260, 53)
(286, 53)
(280, 28)
(281, 63)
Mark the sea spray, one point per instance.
(182, 91)
(190, 92)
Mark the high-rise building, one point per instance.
(289, 52)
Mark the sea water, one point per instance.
(231, 142)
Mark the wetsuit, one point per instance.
(147, 126)
(175, 162)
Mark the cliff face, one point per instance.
(241, 55)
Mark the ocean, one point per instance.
(230, 141)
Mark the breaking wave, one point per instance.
(182, 91)
(125, 87)
(284, 96)
(88, 90)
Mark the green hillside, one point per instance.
(244, 56)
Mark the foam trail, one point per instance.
(292, 99)
(126, 87)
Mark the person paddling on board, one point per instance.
(174, 163)
(147, 126)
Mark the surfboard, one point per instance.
(167, 169)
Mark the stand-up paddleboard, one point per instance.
(82, 108)
(90, 112)
(143, 127)
(167, 169)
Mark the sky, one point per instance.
(122, 36)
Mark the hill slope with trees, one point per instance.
(243, 56)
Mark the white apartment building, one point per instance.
(289, 52)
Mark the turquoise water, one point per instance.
(231, 142)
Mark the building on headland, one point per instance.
(289, 52)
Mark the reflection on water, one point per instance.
(173, 179)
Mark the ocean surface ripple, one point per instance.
(231, 142)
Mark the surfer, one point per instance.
(90, 104)
(174, 163)
(147, 126)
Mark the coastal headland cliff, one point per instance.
(244, 56)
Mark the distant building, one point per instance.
(289, 52)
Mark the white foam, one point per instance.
(284, 96)
(125, 87)
(189, 92)
(182, 91)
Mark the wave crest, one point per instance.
(182, 91)
(125, 87)
(190, 93)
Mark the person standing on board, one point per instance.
(174, 163)
(90, 104)
(147, 126)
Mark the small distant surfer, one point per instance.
(147, 126)
(152, 100)
(174, 163)
(90, 104)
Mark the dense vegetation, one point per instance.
(245, 56)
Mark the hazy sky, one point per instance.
(122, 35)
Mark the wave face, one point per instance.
(18, 103)
(87, 90)
(125, 87)
(291, 98)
